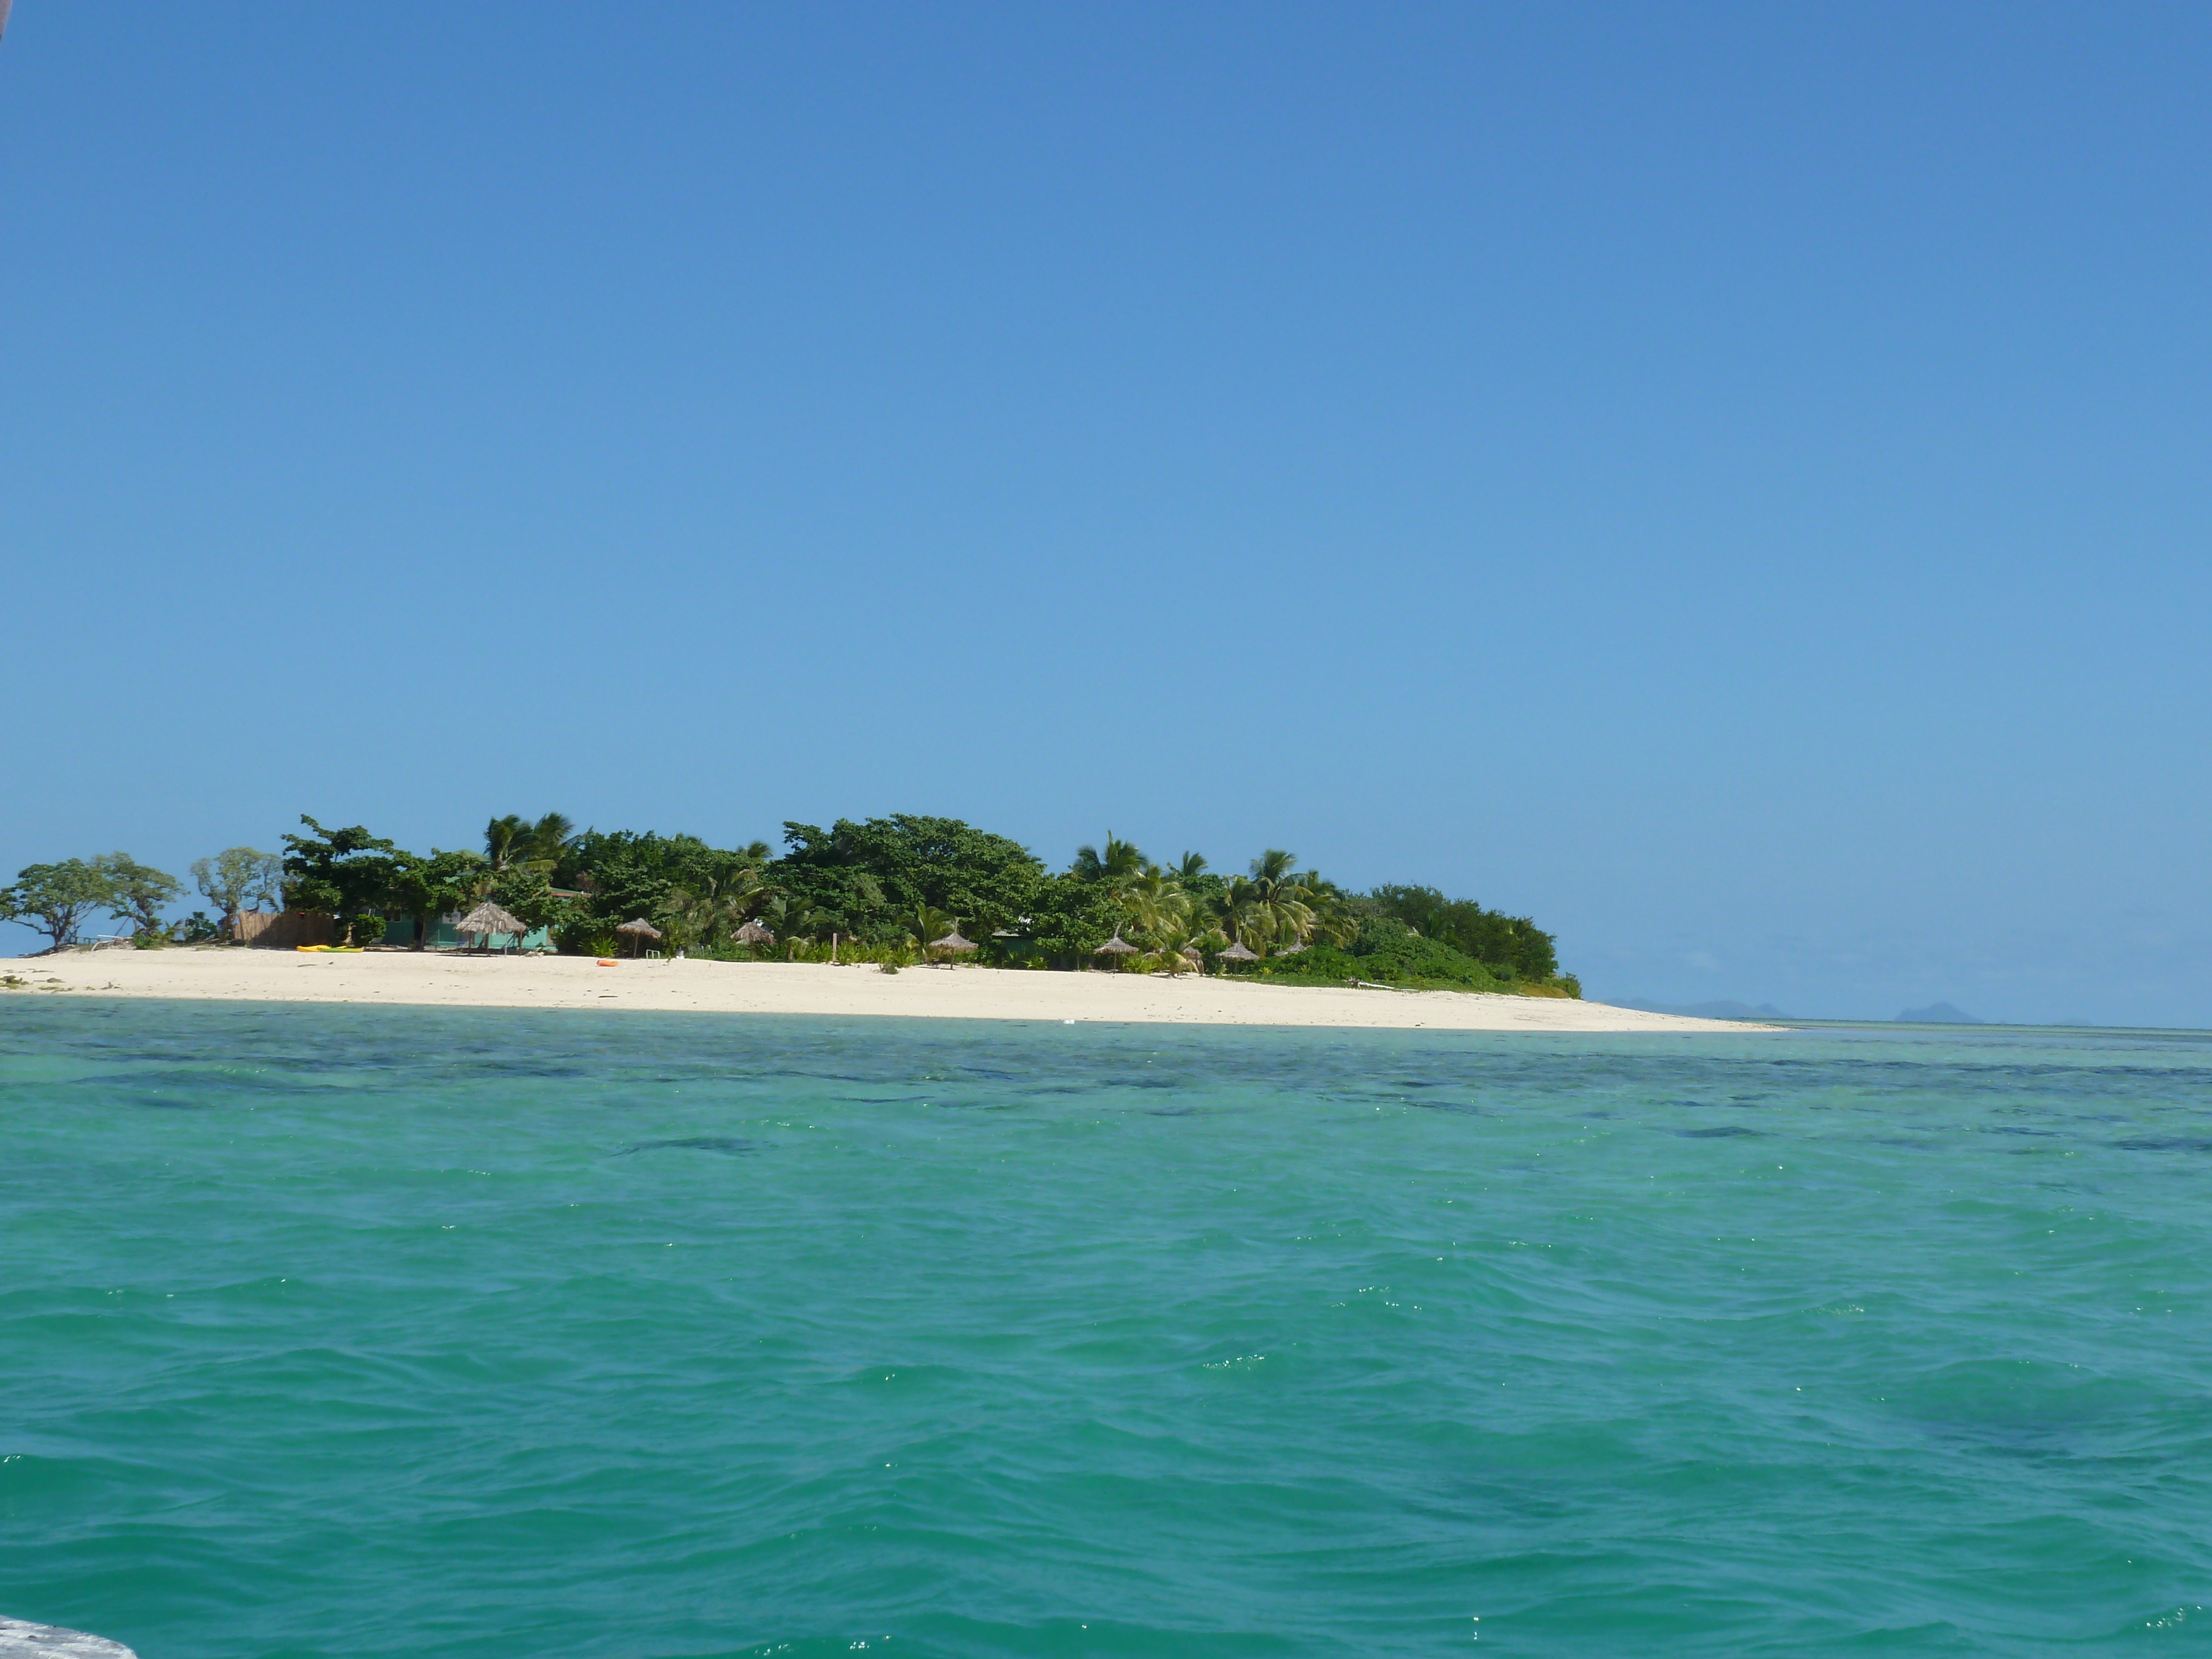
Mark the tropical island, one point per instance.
(894, 892)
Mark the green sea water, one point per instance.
(356, 1332)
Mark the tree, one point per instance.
(1153, 901)
(514, 841)
(1119, 863)
(1489, 936)
(1070, 918)
(866, 878)
(925, 926)
(346, 873)
(1273, 910)
(137, 892)
(427, 888)
(238, 877)
(55, 898)
(792, 922)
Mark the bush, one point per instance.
(1419, 963)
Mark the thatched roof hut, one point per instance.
(488, 919)
(1115, 946)
(753, 933)
(1292, 950)
(638, 928)
(953, 942)
(1239, 951)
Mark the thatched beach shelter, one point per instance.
(638, 928)
(1239, 951)
(753, 933)
(953, 942)
(488, 919)
(1292, 950)
(1115, 946)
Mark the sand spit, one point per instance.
(764, 987)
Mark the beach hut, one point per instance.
(638, 928)
(954, 943)
(486, 919)
(1238, 951)
(1292, 950)
(753, 933)
(1116, 947)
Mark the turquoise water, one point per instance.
(387, 1331)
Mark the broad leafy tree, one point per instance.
(56, 899)
(1489, 936)
(348, 874)
(137, 893)
(238, 878)
(870, 878)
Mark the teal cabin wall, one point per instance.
(401, 931)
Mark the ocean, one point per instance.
(363, 1331)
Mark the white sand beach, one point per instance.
(438, 979)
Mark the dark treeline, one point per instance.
(894, 889)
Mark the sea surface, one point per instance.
(365, 1332)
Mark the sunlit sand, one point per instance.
(764, 988)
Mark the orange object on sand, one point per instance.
(608, 962)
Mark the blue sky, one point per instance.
(1728, 482)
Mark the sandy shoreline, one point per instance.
(764, 987)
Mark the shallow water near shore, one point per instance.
(362, 1331)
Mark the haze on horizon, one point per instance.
(1721, 482)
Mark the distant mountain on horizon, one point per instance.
(1705, 1009)
(1937, 1013)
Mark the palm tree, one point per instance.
(1154, 900)
(794, 922)
(1116, 864)
(925, 926)
(1335, 920)
(717, 904)
(551, 837)
(1275, 904)
(507, 842)
(1166, 956)
(1189, 867)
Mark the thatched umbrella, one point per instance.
(1238, 951)
(753, 933)
(488, 919)
(638, 928)
(953, 942)
(1115, 946)
(1292, 950)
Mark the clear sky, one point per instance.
(1729, 482)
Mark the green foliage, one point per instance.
(1408, 960)
(137, 893)
(868, 879)
(529, 896)
(514, 842)
(427, 888)
(1118, 863)
(197, 929)
(1488, 936)
(238, 878)
(346, 873)
(55, 899)
(1070, 917)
